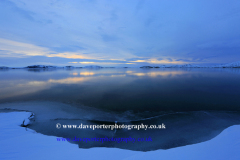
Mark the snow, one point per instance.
(22, 143)
(224, 146)
(26, 122)
(229, 65)
(189, 66)
(173, 66)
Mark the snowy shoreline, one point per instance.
(192, 127)
(24, 143)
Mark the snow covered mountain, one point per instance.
(173, 66)
(189, 66)
(229, 65)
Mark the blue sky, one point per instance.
(119, 32)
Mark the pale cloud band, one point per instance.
(19, 49)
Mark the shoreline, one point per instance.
(24, 143)
(182, 128)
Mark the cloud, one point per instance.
(12, 48)
(109, 38)
(87, 62)
(160, 61)
(135, 31)
(29, 15)
(156, 61)
(139, 61)
(72, 55)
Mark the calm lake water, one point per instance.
(195, 104)
(126, 89)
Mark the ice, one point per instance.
(20, 143)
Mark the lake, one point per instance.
(189, 101)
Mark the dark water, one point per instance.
(121, 89)
(194, 104)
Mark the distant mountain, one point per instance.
(189, 66)
(55, 67)
(69, 67)
(92, 66)
(173, 66)
(40, 66)
(229, 65)
(146, 67)
(3, 67)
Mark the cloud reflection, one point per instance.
(11, 88)
(74, 74)
(70, 80)
(87, 73)
(157, 73)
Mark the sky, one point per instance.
(119, 32)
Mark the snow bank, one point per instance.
(224, 146)
(22, 143)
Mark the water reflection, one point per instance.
(87, 73)
(74, 74)
(133, 96)
(157, 73)
(123, 89)
(70, 80)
